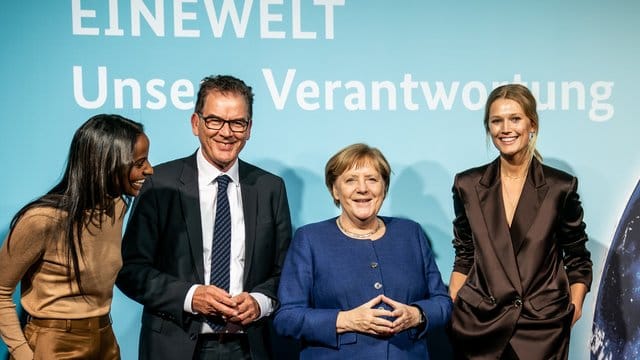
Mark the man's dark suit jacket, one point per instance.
(162, 254)
(518, 278)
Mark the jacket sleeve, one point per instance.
(437, 306)
(462, 236)
(572, 238)
(141, 277)
(281, 240)
(297, 317)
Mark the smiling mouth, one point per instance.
(225, 145)
(508, 139)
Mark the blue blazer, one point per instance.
(326, 272)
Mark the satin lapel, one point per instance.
(250, 209)
(190, 201)
(490, 197)
(533, 194)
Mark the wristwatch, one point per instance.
(423, 318)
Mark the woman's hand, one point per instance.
(577, 314)
(455, 283)
(578, 292)
(406, 316)
(366, 319)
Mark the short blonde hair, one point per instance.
(356, 155)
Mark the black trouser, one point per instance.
(222, 347)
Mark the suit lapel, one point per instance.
(250, 209)
(489, 193)
(533, 193)
(190, 201)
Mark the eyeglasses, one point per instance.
(213, 122)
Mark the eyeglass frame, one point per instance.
(207, 119)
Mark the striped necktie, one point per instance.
(221, 249)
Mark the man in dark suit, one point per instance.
(172, 241)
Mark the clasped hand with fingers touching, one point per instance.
(210, 300)
(373, 318)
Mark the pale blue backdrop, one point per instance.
(409, 77)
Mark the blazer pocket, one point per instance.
(550, 306)
(152, 322)
(474, 298)
(548, 299)
(347, 338)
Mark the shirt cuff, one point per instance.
(189, 299)
(265, 303)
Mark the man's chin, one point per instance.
(224, 164)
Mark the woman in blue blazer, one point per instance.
(361, 286)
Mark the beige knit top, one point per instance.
(37, 255)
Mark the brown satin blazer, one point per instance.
(518, 278)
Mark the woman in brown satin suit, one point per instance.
(522, 268)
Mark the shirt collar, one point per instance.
(207, 173)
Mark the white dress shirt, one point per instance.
(208, 188)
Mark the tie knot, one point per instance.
(223, 181)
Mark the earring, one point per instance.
(531, 135)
